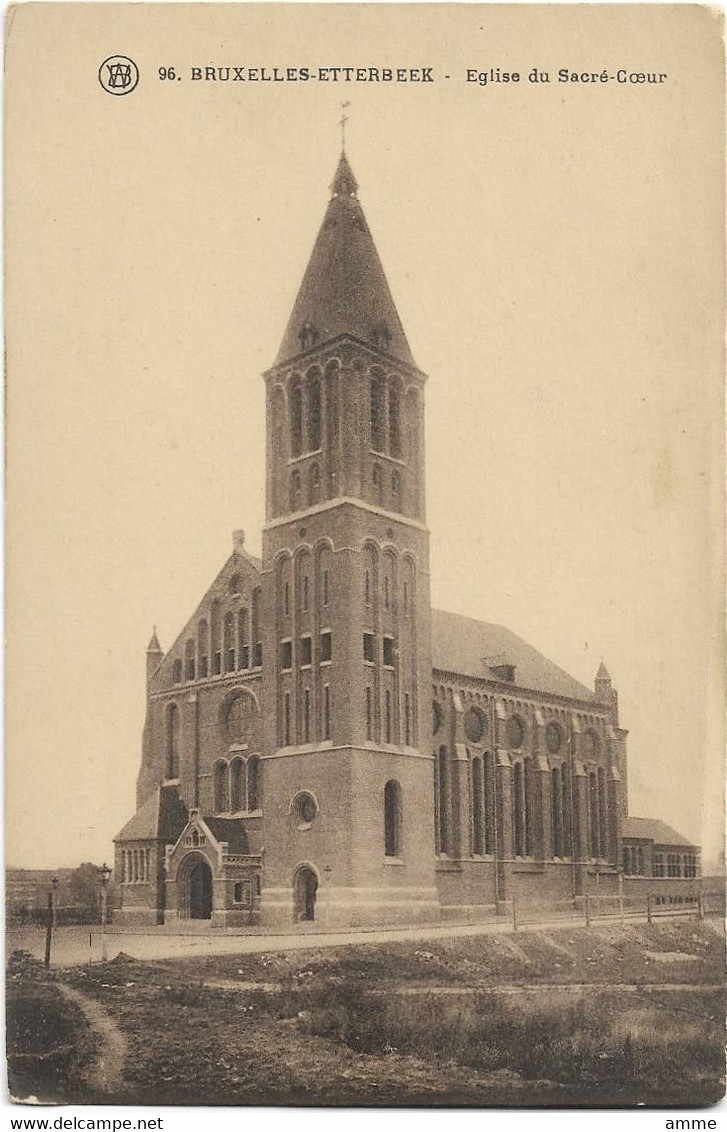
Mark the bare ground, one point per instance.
(618, 1014)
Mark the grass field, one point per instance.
(619, 1014)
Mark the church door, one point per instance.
(305, 886)
(200, 892)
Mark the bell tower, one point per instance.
(348, 775)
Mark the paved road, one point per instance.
(72, 945)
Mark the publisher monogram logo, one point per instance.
(118, 74)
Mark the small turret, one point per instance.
(154, 656)
(605, 692)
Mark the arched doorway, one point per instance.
(200, 891)
(305, 886)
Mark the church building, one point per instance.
(319, 743)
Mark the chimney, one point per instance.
(501, 667)
(238, 540)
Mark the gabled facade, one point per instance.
(324, 744)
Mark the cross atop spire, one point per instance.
(342, 124)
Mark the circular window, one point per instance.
(553, 738)
(304, 809)
(436, 717)
(515, 732)
(474, 724)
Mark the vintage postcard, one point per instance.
(365, 554)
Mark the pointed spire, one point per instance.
(344, 289)
(344, 183)
(154, 645)
(603, 673)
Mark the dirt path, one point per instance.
(105, 1075)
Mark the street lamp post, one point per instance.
(328, 869)
(104, 874)
(51, 919)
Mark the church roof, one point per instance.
(230, 830)
(652, 829)
(344, 289)
(162, 816)
(477, 648)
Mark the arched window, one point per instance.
(235, 585)
(387, 717)
(413, 423)
(306, 716)
(603, 814)
(314, 414)
(189, 652)
(295, 501)
(478, 809)
(229, 645)
(296, 417)
(392, 819)
(369, 715)
(367, 588)
(326, 711)
(279, 442)
(567, 812)
(593, 814)
(518, 802)
(377, 484)
(441, 800)
(256, 642)
(407, 719)
(253, 783)
(556, 812)
(488, 775)
(237, 785)
(658, 864)
(177, 672)
(215, 631)
(203, 650)
(314, 484)
(243, 635)
(394, 419)
(305, 594)
(173, 730)
(332, 427)
(396, 491)
(221, 803)
(377, 412)
(286, 722)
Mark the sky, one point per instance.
(555, 255)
